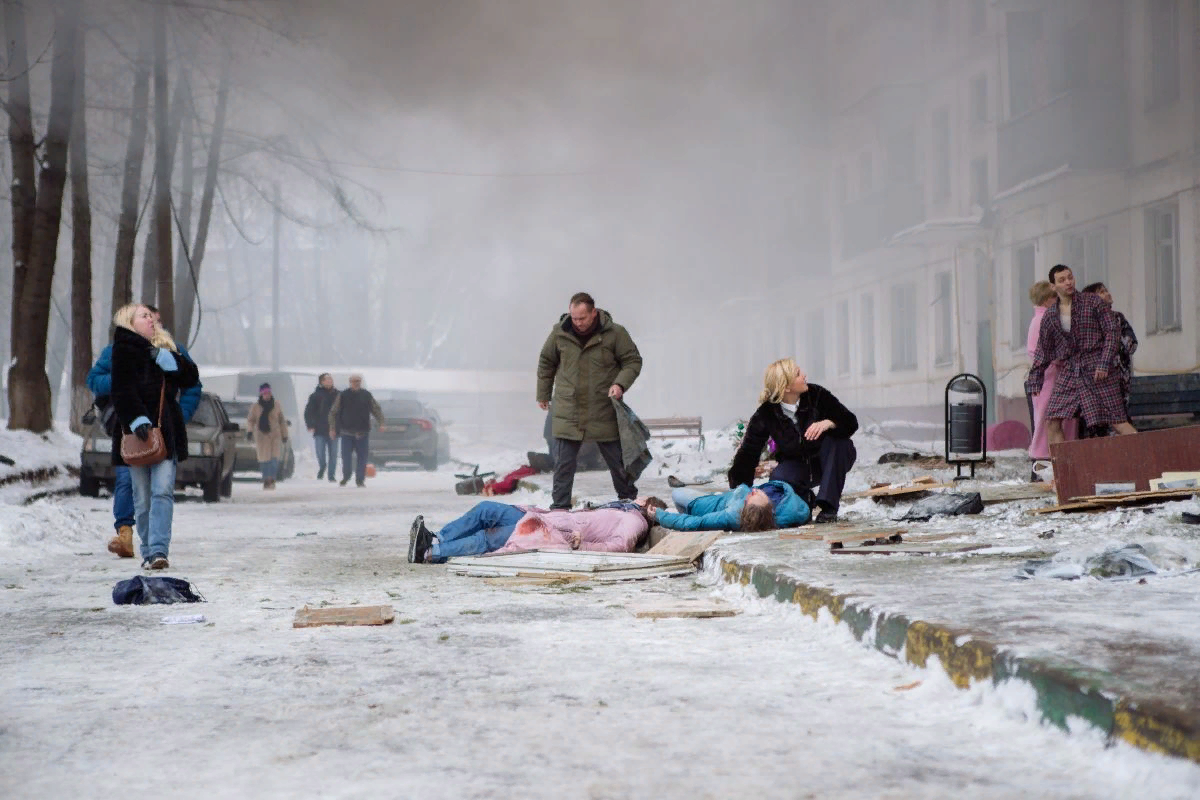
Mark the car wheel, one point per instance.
(88, 486)
(227, 485)
(212, 489)
(430, 463)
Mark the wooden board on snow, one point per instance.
(689, 607)
(685, 544)
(350, 615)
(1013, 493)
(911, 549)
(572, 563)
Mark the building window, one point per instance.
(868, 334)
(1164, 53)
(941, 154)
(978, 22)
(979, 100)
(1024, 264)
(979, 183)
(843, 338)
(943, 316)
(866, 174)
(1087, 256)
(904, 326)
(816, 345)
(1162, 269)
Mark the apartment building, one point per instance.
(976, 143)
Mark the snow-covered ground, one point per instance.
(476, 689)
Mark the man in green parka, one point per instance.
(587, 358)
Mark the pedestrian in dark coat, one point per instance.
(1081, 332)
(1128, 343)
(148, 369)
(316, 419)
(350, 418)
(811, 430)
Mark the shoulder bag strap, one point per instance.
(162, 396)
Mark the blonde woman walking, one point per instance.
(148, 372)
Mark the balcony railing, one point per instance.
(1083, 129)
(870, 221)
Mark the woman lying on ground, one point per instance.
(770, 505)
(812, 431)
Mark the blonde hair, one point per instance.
(124, 319)
(777, 379)
(1040, 292)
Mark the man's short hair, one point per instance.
(323, 376)
(654, 502)
(355, 376)
(583, 298)
(1057, 268)
(1092, 288)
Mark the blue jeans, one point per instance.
(483, 529)
(270, 469)
(123, 499)
(356, 446)
(697, 503)
(326, 454)
(154, 505)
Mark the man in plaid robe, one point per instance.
(1080, 333)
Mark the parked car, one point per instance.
(247, 459)
(412, 432)
(212, 439)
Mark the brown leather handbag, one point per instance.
(135, 452)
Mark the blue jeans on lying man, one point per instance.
(483, 529)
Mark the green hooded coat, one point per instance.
(580, 376)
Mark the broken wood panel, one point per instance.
(570, 561)
(1008, 494)
(685, 544)
(911, 549)
(1067, 508)
(691, 608)
(1079, 465)
(350, 615)
(1136, 498)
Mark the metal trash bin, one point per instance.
(966, 410)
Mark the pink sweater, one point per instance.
(606, 529)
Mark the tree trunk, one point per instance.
(21, 147)
(28, 387)
(183, 210)
(135, 155)
(81, 249)
(162, 166)
(185, 298)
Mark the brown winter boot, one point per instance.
(122, 543)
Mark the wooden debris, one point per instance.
(894, 492)
(1066, 508)
(685, 544)
(911, 549)
(695, 608)
(566, 564)
(351, 615)
(1135, 498)
(1079, 465)
(1009, 494)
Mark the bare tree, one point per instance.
(28, 387)
(23, 150)
(135, 155)
(81, 248)
(162, 166)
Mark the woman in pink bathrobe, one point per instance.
(1042, 295)
(613, 530)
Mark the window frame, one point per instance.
(943, 319)
(1156, 321)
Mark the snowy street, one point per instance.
(476, 689)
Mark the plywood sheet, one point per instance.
(911, 549)
(685, 544)
(350, 615)
(567, 564)
(687, 607)
(1079, 465)
(1013, 493)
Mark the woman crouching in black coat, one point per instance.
(812, 433)
(147, 369)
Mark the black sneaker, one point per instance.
(419, 541)
(825, 516)
(320, 474)
(360, 484)
(343, 481)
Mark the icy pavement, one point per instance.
(476, 689)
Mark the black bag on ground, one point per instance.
(950, 505)
(142, 591)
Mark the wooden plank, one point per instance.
(1133, 498)
(1009, 494)
(911, 549)
(350, 615)
(684, 607)
(1067, 508)
(1079, 465)
(685, 544)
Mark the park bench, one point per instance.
(676, 428)
(1164, 401)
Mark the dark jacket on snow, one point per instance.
(580, 371)
(316, 410)
(352, 411)
(770, 422)
(136, 384)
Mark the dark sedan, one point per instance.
(412, 432)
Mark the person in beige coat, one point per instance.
(266, 425)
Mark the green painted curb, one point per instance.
(1062, 690)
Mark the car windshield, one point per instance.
(206, 415)
(237, 409)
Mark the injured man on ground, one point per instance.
(498, 527)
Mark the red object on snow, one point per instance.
(508, 484)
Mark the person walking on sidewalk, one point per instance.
(99, 382)
(811, 430)
(148, 372)
(350, 418)
(587, 359)
(316, 419)
(266, 425)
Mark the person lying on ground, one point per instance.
(770, 505)
(489, 527)
(811, 430)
